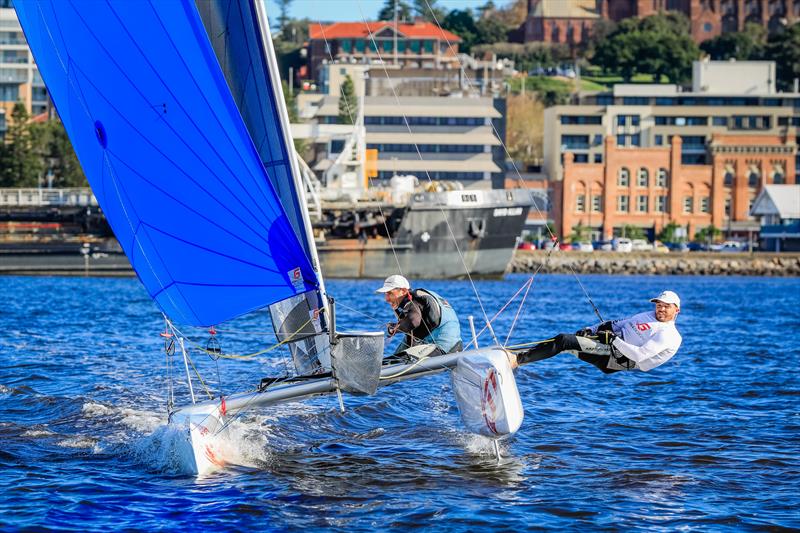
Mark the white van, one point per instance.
(622, 244)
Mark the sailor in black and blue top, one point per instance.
(423, 316)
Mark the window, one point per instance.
(659, 140)
(581, 158)
(778, 178)
(661, 204)
(641, 203)
(728, 179)
(580, 203)
(750, 204)
(575, 142)
(622, 120)
(642, 178)
(414, 46)
(719, 121)
(624, 177)
(581, 119)
(360, 45)
(401, 45)
(728, 207)
(622, 204)
(688, 204)
(662, 179)
(752, 179)
(621, 140)
(636, 140)
(597, 203)
(428, 46)
(707, 27)
(387, 45)
(598, 158)
(705, 204)
(347, 45)
(681, 121)
(634, 120)
(635, 100)
(598, 139)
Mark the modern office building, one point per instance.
(646, 155)
(19, 78)
(449, 139)
(417, 45)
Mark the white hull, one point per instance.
(205, 427)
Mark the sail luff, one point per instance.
(272, 67)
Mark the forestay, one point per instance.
(160, 138)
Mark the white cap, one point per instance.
(668, 297)
(394, 282)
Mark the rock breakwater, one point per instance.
(699, 264)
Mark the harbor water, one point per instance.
(707, 441)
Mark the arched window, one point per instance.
(752, 179)
(778, 178)
(642, 178)
(662, 178)
(728, 181)
(624, 178)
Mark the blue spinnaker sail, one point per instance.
(235, 34)
(163, 145)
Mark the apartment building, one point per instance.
(19, 77)
(450, 139)
(416, 45)
(650, 154)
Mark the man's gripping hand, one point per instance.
(606, 337)
(585, 332)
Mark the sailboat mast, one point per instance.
(280, 103)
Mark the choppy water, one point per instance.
(708, 441)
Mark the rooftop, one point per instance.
(362, 30)
(781, 200)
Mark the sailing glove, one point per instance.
(605, 326)
(605, 337)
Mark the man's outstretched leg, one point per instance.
(545, 350)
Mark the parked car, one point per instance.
(604, 246)
(622, 244)
(729, 247)
(526, 246)
(564, 246)
(548, 245)
(641, 245)
(660, 247)
(583, 247)
(697, 247)
(677, 247)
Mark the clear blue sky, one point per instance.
(351, 10)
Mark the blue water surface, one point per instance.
(709, 440)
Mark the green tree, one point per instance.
(632, 232)
(62, 163)
(669, 233)
(784, 49)
(744, 45)
(659, 45)
(580, 233)
(21, 161)
(283, 12)
(429, 10)
(387, 11)
(461, 22)
(490, 30)
(348, 103)
(708, 234)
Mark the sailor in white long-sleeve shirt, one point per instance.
(641, 342)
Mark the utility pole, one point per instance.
(395, 32)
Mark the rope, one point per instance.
(520, 179)
(519, 310)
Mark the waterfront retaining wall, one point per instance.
(702, 264)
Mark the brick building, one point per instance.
(417, 45)
(570, 21)
(646, 155)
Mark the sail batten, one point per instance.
(161, 140)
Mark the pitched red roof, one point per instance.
(356, 30)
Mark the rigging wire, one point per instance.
(520, 179)
(427, 173)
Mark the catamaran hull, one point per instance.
(200, 420)
(202, 449)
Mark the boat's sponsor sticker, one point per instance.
(296, 276)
